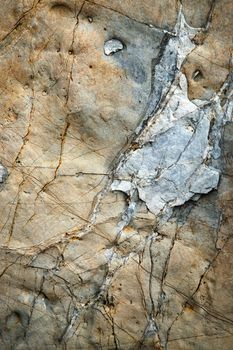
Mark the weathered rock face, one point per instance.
(116, 166)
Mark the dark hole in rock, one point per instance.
(197, 75)
(17, 318)
(61, 8)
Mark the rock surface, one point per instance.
(116, 167)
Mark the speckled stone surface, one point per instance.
(116, 165)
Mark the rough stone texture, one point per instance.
(116, 170)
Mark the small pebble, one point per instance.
(112, 46)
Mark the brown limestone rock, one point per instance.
(209, 64)
(83, 266)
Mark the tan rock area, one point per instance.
(116, 166)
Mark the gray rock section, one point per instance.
(166, 66)
(3, 173)
(173, 161)
(170, 169)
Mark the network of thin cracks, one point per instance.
(96, 302)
